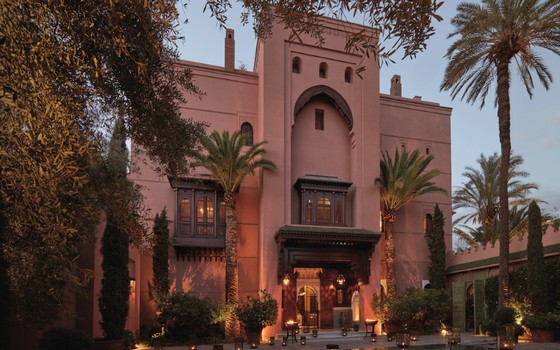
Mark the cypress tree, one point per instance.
(115, 285)
(160, 257)
(535, 261)
(436, 246)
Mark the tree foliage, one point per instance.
(477, 201)
(405, 25)
(436, 246)
(160, 256)
(121, 199)
(115, 284)
(535, 262)
(66, 69)
(5, 302)
(489, 36)
(402, 179)
(229, 162)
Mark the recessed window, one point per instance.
(201, 214)
(308, 211)
(296, 65)
(348, 75)
(247, 131)
(427, 150)
(322, 200)
(205, 210)
(185, 210)
(323, 70)
(427, 223)
(319, 119)
(323, 211)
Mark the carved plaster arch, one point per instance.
(330, 95)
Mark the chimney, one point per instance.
(396, 89)
(229, 51)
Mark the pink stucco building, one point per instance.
(316, 218)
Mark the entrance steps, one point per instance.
(333, 333)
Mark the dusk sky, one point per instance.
(535, 122)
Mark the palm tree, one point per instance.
(490, 36)
(477, 200)
(518, 226)
(400, 182)
(229, 163)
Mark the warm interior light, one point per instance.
(286, 280)
(340, 279)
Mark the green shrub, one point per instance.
(415, 306)
(542, 321)
(188, 318)
(504, 315)
(258, 312)
(65, 339)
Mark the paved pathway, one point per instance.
(355, 340)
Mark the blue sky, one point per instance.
(535, 123)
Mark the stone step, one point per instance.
(328, 334)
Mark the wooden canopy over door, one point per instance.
(324, 247)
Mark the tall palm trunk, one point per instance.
(505, 142)
(232, 271)
(390, 273)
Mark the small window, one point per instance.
(323, 70)
(309, 211)
(205, 210)
(427, 150)
(348, 75)
(185, 210)
(319, 119)
(338, 212)
(247, 131)
(296, 65)
(427, 223)
(324, 211)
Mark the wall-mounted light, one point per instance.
(286, 279)
(340, 279)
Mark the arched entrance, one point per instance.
(308, 307)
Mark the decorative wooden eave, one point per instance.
(322, 183)
(305, 246)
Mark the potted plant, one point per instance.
(257, 313)
(542, 326)
(385, 309)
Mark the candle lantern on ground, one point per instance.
(506, 337)
(403, 339)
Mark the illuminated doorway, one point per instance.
(307, 307)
